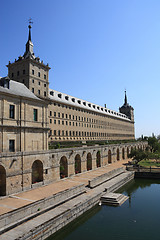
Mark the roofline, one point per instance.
(87, 106)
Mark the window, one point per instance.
(32, 80)
(32, 90)
(58, 121)
(62, 115)
(12, 145)
(54, 132)
(45, 94)
(50, 120)
(62, 122)
(24, 71)
(35, 115)
(39, 83)
(69, 123)
(39, 92)
(44, 84)
(39, 74)
(12, 111)
(54, 114)
(54, 121)
(32, 72)
(50, 113)
(66, 116)
(44, 76)
(66, 123)
(62, 132)
(59, 132)
(23, 80)
(50, 133)
(59, 115)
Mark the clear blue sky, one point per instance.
(95, 48)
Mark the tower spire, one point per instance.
(30, 22)
(29, 35)
(29, 45)
(125, 100)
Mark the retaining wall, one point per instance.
(9, 220)
(105, 177)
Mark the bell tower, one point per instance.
(127, 109)
(30, 70)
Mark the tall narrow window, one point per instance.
(12, 111)
(35, 115)
(44, 76)
(24, 71)
(12, 145)
(32, 72)
(39, 74)
(39, 92)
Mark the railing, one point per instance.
(142, 169)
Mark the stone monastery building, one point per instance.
(31, 113)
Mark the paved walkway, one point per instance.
(18, 200)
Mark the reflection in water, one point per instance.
(75, 224)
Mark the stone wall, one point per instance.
(21, 168)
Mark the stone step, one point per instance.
(123, 178)
(113, 199)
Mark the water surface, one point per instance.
(137, 219)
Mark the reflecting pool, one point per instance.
(137, 219)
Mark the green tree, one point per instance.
(152, 141)
(138, 154)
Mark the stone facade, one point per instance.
(73, 121)
(23, 120)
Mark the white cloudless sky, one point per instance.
(96, 49)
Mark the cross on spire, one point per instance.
(30, 22)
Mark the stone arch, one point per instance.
(2, 181)
(37, 171)
(63, 167)
(98, 159)
(123, 153)
(118, 154)
(89, 161)
(77, 164)
(109, 156)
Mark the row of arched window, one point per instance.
(37, 167)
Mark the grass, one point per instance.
(149, 163)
